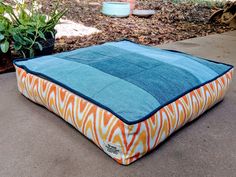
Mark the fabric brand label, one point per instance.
(112, 149)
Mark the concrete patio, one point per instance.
(37, 143)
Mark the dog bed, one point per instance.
(124, 97)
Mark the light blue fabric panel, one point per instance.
(126, 99)
(217, 67)
(129, 102)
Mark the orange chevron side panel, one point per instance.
(124, 143)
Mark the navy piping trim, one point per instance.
(108, 109)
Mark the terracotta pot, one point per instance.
(6, 64)
(132, 4)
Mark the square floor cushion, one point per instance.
(125, 97)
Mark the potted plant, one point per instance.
(5, 38)
(33, 33)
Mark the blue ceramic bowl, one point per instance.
(116, 9)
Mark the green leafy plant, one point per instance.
(32, 27)
(5, 28)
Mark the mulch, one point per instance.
(172, 22)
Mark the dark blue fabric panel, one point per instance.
(94, 54)
(123, 66)
(117, 68)
(164, 82)
(86, 57)
(138, 60)
(100, 54)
